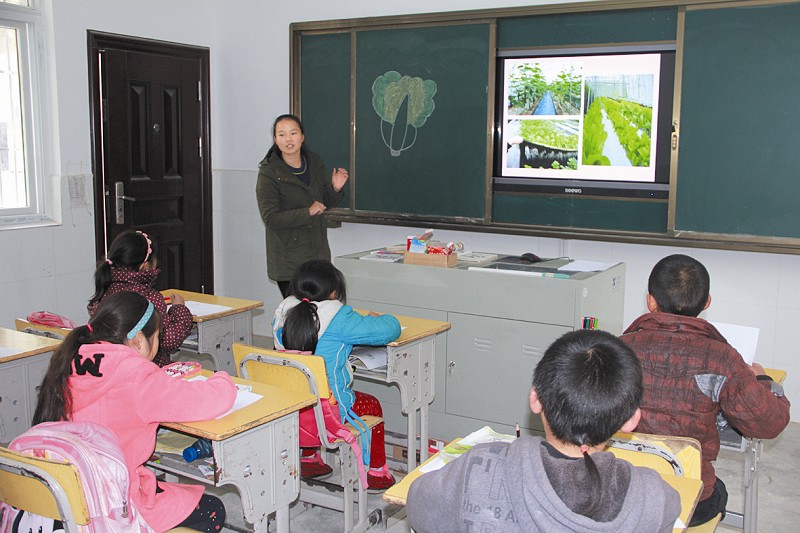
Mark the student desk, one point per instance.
(689, 490)
(411, 365)
(219, 329)
(752, 449)
(256, 450)
(24, 359)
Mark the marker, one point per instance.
(518, 431)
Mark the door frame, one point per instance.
(97, 41)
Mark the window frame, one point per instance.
(35, 52)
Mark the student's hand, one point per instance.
(176, 299)
(339, 177)
(317, 208)
(758, 370)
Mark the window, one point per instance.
(25, 197)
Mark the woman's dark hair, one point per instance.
(680, 285)
(313, 281)
(129, 249)
(274, 148)
(115, 317)
(589, 384)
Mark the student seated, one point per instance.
(586, 387)
(692, 374)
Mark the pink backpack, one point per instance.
(95, 452)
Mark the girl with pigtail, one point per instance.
(315, 319)
(103, 373)
(131, 265)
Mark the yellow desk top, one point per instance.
(237, 305)
(688, 489)
(275, 402)
(414, 328)
(777, 375)
(24, 344)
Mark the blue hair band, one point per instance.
(142, 321)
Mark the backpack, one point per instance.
(94, 450)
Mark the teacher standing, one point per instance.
(293, 192)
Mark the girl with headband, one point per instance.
(103, 373)
(131, 265)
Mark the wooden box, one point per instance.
(435, 260)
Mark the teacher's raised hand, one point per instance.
(338, 178)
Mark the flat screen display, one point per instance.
(595, 122)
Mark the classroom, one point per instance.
(49, 266)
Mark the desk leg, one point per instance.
(411, 366)
(752, 456)
(216, 337)
(263, 465)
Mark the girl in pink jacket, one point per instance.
(103, 373)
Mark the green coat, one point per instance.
(293, 236)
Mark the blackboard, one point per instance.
(325, 99)
(434, 78)
(739, 162)
(738, 169)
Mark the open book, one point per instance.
(369, 357)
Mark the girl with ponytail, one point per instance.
(131, 265)
(103, 373)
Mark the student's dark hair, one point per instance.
(589, 384)
(128, 249)
(680, 285)
(313, 281)
(115, 317)
(287, 116)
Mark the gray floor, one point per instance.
(778, 500)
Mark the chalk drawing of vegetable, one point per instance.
(391, 95)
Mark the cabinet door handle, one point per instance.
(451, 364)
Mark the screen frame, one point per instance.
(657, 190)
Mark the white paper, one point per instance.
(243, 399)
(586, 266)
(743, 338)
(244, 396)
(435, 464)
(372, 356)
(679, 524)
(203, 309)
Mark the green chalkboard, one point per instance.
(739, 163)
(421, 120)
(325, 98)
(592, 28)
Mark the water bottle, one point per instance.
(198, 450)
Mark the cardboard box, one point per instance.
(397, 452)
(436, 260)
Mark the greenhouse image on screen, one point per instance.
(544, 87)
(617, 128)
(591, 117)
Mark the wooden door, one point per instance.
(150, 118)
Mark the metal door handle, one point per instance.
(119, 202)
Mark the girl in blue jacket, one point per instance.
(314, 318)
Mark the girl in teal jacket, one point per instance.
(315, 319)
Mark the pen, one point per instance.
(518, 431)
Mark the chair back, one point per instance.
(44, 487)
(679, 456)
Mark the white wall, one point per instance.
(51, 268)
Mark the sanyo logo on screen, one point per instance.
(573, 190)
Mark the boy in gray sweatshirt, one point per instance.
(587, 386)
